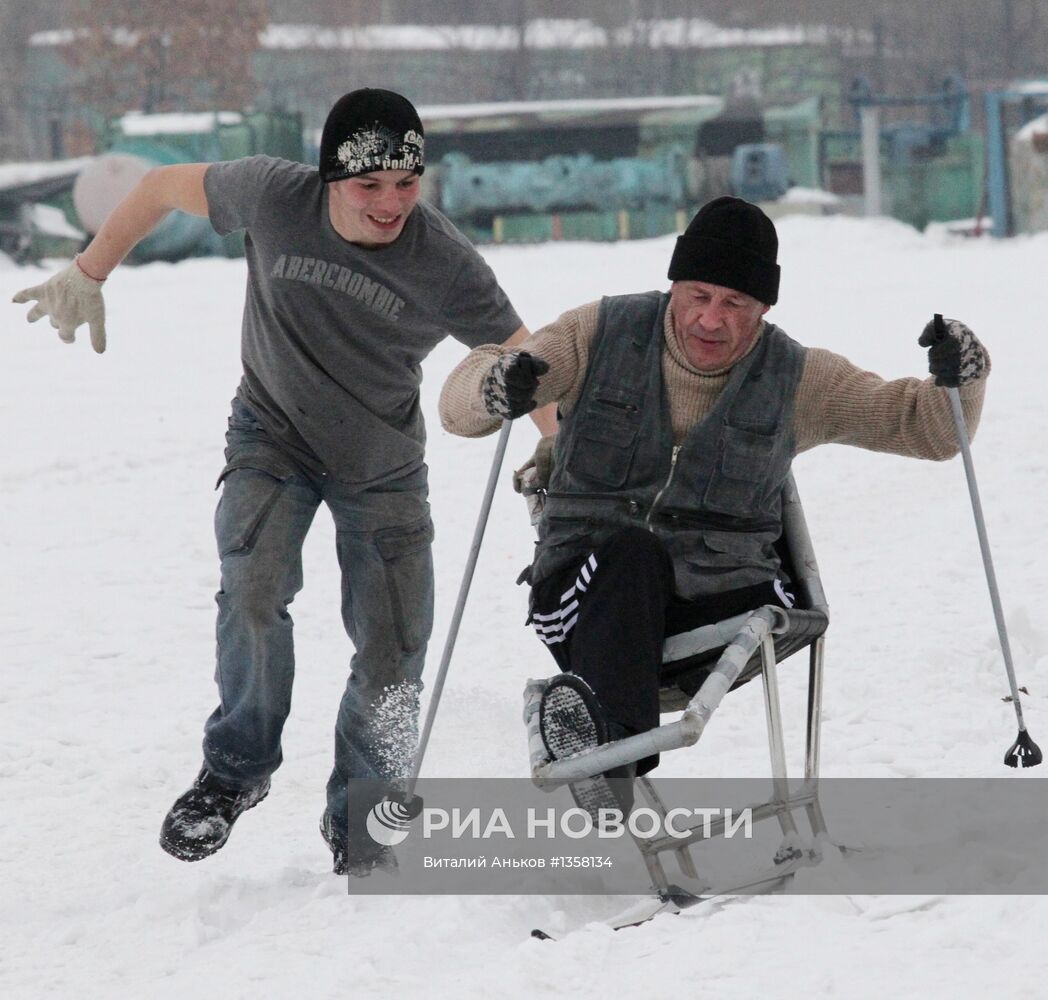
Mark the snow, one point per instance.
(51, 220)
(176, 123)
(574, 106)
(389, 36)
(698, 33)
(539, 33)
(16, 174)
(58, 37)
(1032, 129)
(107, 614)
(810, 196)
(1035, 88)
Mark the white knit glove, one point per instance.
(69, 299)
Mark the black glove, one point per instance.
(509, 388)
(955, 356)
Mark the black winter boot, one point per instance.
(200, 821)
(381, 858)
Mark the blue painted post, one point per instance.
(997, 165)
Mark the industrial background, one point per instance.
(568, 120)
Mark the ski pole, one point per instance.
(1023, 752)
(405, 795)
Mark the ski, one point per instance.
(639, 913)
(677, 899)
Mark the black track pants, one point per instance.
(606, 621)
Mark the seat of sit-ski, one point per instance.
(689, 657)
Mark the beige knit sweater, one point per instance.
(837, 402)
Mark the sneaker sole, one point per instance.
(568, 727)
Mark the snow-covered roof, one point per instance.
(1039, 126)
(810, 196)
(52, 221)
(540, 33)
(432, 111)
(1035, 87)
(389, 36)
(172, 123)
(16, 174)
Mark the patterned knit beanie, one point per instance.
(731, 243)
(370, 130)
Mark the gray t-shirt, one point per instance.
(334, 333)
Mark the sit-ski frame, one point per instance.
(749, 645)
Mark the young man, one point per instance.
(352, 281)
(681, 413)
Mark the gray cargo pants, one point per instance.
(383, 540)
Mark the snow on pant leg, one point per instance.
(260, 525)
(605, 621)
(384, 541)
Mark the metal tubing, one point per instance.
(697, 832)
(683, 855)
(590, 762)
(460, 604)
(692, 723)
(984, 545)
(814, 742)
(816, 820)
(776, 745)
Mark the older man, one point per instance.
(681, 413)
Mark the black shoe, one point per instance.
(200, 821)
(572, 721)
(358, 865)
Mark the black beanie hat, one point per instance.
(731, 243)
(371, 130)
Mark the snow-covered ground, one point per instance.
(107, 615)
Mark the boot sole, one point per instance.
(182, 854)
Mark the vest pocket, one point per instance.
(606, 438)
(739, 476)
(735, 545)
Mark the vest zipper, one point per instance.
(665, 486)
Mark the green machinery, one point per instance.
(598, 169)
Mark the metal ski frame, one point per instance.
(752, 643)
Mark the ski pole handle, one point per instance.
(940, 328)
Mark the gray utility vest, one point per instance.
(716, 500)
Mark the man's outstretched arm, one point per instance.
(838, 402)
(73, 296)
